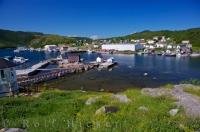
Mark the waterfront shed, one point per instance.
(8, 79)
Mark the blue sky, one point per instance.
(104, 18)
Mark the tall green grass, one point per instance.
(66, 111)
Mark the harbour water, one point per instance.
(131, 71)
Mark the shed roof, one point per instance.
(6, 64)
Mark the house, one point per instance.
(51, 48)
(150, 41)
(163, 40)
(8, 79)
(168, 51)
(63, 48)
(160, 45)
(156, 38)
(96, 46)
(184, 48)
(169, 46)
(122, 47)
(186, 42)
(151, 46)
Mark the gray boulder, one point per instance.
(106, 109)
(143, 108)
(156, 92)
(12, 130)
(121, 98)
(91, 100)
(173, 112)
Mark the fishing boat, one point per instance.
(19, 60)
(171, 55)
(195, 55)
(9, 58)
(89, 51)
(19, 49)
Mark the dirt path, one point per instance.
(189, 102)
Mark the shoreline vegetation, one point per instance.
(75, 110)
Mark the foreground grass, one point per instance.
(66, 111)
(195, 90)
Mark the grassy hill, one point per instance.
(190, 34)
(35, 39)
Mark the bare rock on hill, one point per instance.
(173, 112)
(12, 130)
(91, 100)
(121, 98)
(189, 102)
(156, 92)
(143, 108)
(106, 109)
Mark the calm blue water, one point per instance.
(128, 73)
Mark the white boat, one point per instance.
(111, 60)
(89, 51)
(59, 57)
(20, 49)
(178, 55)
(195, 55)
(19, 60)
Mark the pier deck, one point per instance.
(53, 74)
(33, 69)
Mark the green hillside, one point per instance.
(34, 39)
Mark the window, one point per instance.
(2, 74)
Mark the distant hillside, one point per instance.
(190, 34)
(34, 39)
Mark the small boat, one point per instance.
(111, 60)
(19, 60)
(89, 51)
(9, 58)
(140, 53)
(195, 55)
(59, 57)
(178, 55)
(19, 49)
(171, 55)
(159, 54)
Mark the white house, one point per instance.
(160, 45)
(151, 46)
(150, 41)
(122, 47)
(168, 51)
(96, 46)
(51, 48)
(8, 79)
(186, 42)
(163, 39)
(155, 38)
(169, 46)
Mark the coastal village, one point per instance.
(23, 82)
(160, 46)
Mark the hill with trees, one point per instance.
(9, 39)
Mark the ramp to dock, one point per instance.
(32, 69)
